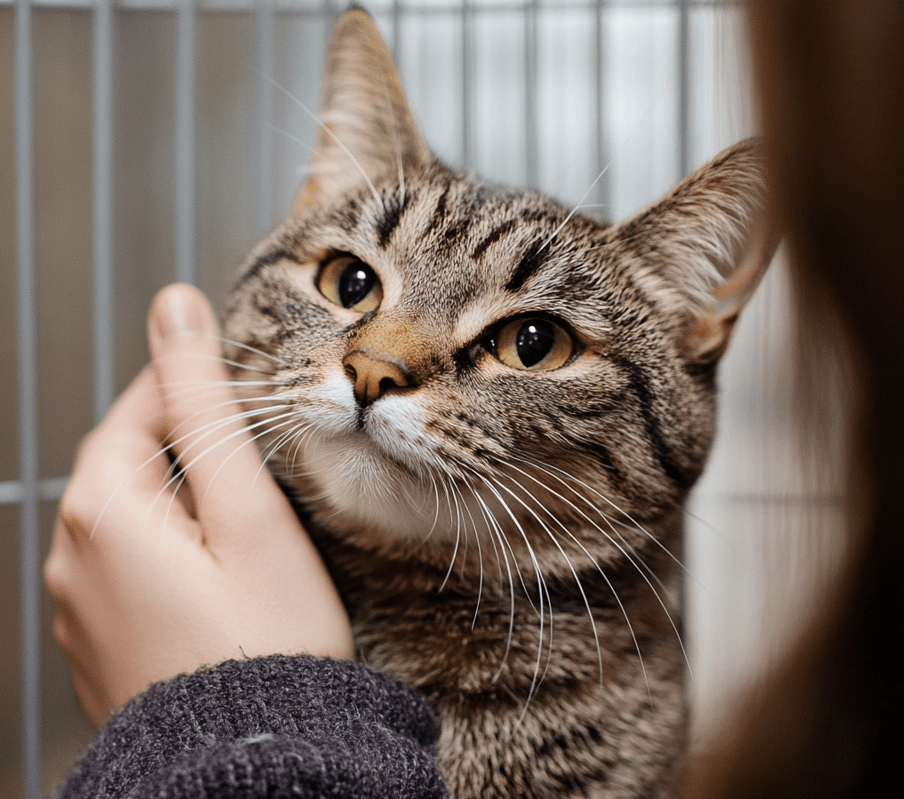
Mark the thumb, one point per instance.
(202, 420)
(179, 312)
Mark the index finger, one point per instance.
(131, 432)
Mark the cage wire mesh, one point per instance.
(146, 141)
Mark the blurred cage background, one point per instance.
(146, 141)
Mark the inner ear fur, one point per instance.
(708, 335)
(366, 126)
(705, 246)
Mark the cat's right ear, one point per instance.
(366, 124)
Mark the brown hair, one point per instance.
(830, 76)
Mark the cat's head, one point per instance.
(448, 358)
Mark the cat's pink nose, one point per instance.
(374, 375)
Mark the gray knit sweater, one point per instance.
(266, 727)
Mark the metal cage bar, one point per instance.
(265, 61)
(185, 178)
(103, 207)
(28, 398)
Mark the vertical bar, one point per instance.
(186, 19)
(397, 31)
(328, 12)
(599, 142)
(467, 87)
(103, 207)
(28, 396)
(264, 34)
(684, 91)
(532, 135)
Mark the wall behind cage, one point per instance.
(208, 131)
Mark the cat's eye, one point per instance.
(350, 283)
(534, 343)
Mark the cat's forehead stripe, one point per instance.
(439, 212)
(530, 264)
(494, 236)
(268, 258)
(390, 221)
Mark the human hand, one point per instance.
(150, 582)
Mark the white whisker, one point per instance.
(554, 472)
(217, 358)
(542, 589)
(456, 515)
(295, 139)
(496, 532)
(181, 470)
(628, 557)
(546, 528)
(576, 208)
(210, 427)
(255, 351)
(250, 441)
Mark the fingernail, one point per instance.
(178, 315)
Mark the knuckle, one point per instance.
(55, 576)
(94, 450)
(106, 453)
(83, 504)
(88, 446)
(76, 511)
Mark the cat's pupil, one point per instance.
(355, 283)
(534, 341)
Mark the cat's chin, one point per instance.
(364, 487)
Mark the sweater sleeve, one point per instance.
(278, 726)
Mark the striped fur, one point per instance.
(507, 541)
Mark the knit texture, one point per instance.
(266, 727)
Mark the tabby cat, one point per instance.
(490, 411)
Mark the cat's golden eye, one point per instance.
(350, 283)
(533, 343)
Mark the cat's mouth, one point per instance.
(360, 416)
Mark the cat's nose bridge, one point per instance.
(388, 355)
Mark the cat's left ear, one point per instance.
(366, 125)
(706, 245)
(708, 335)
